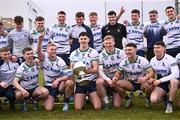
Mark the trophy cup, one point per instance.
(79, 71)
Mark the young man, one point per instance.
(167, 76)
(138, 71)
(3, 37)
(135, 32)
(7, 73)
(153, 32)
(117, 30)
(19, 39)
(172, 27)
(61, 37)
(77, 29)
(56, 75)
(96, 31)
(89, 57)
(40, 28)
(109, 60)
(26, 81)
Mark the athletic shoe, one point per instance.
(23, 107)
(35, 105)
(65, 107)
(106, 106)
(169, 108)
(129, 103)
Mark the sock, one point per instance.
(105, 99)
(66, 100)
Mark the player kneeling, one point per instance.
(138, 71)
(26, 82)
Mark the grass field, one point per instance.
(137, 112)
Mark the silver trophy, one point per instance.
(79, 70)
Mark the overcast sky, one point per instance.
(51, 7)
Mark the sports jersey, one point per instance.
(173, 34)
(111, 62)
(47, 38)
(61, 36)
(154, 32)
(18, 40)
(4, 41)
(28, 75)
(86, 57)
(135, 69)
(118, 31)
(8, 71)
(135, 35)
(164, 66)
(52, 69)
(97, 35)
(76, 30)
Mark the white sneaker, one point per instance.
(65, 107)
(169, 108)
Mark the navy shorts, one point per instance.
(52, 91)
(136, 86)
(31, 91)
(164, 86)
(86, 89)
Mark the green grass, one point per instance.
(137, 112)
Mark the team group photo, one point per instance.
(124, 69)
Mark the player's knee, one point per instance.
(99, 81)
(70, 83)
(44, 93)
(154, 99)
(19, 96)
(174, 83)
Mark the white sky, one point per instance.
(51, 7)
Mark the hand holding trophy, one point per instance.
(79, 70)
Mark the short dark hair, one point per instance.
(153, 12)
(93, 14)
(18, 19)
(169, 7)
(26, 49)
(1, 23)
(39, 18)
(111, 13)
(135, 11)
(131, 45)
(61, 12)
(161, 43)
(4, 49)
(83, 34)
(79, 14)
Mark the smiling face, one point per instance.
(112, 19)
(109, 43)
(159, 51)
(153, 17)
(40, 25)
(5, 55)
(135, 17)
(170, 13)
(83, 41)
(51, 50)
(61, 18)
(28, 56)
(93, 19)
(130, 52)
